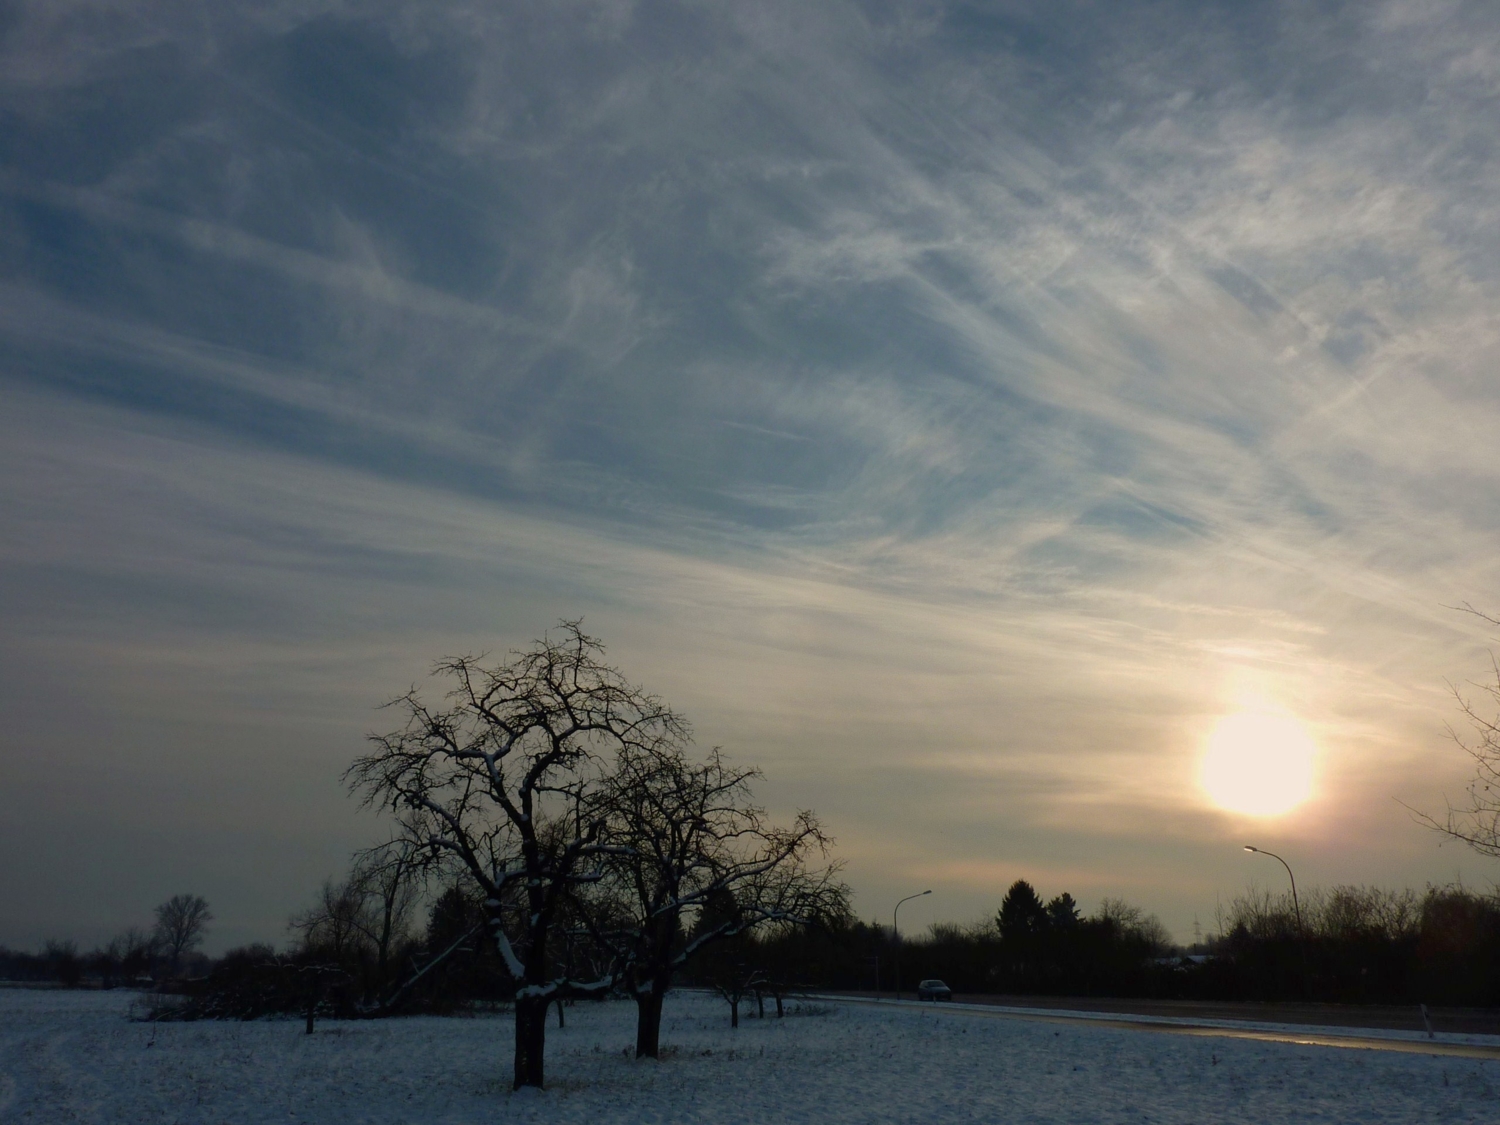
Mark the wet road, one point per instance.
(1343, 1038)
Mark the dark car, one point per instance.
(934, 990)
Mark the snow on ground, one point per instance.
(74, 1056)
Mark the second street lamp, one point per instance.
(1296, 906)
(896, 933)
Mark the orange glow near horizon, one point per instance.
(1258, 762)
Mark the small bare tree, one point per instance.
(1132, 920)
(131, 952)
(387, 878)
(336, 925)
(181, 922)
(1477, 822)
(686, 839)
(366, 915)
(499, 780)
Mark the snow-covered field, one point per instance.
(74, 1056)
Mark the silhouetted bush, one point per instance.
(1355, 945)
(255, 982)
(1361, 945)
(1032, 947)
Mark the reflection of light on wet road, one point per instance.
(1308, 1038)
(1407, 1046)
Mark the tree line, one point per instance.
(133, 956)
(1346, 944)
(1351, 944)
(369, 934)
(1028, 946)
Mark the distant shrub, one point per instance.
(254, 983)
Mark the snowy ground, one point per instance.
(74, 1056)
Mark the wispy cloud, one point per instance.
(952, 406)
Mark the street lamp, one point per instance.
(895, 930)
(1301, 931)
(1295, 905)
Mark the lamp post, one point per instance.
(1301, 931)
(1295, 905)
(896, 932)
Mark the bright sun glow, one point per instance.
(1259, 763)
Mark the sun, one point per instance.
(1259, 763)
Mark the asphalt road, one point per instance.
(1141, 1016)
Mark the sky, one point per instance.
(954, 409)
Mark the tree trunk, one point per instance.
(314, 998)
(648, 1024)
(779, 1013)
(734, 1012)
(561, 1020)
(760, 1004)
(531, 1040)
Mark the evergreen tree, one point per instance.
(1021, 912)
(1062, 912)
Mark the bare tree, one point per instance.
(181, 922)
(1477, 822)
(132, 950)
(337, 924)
(734, 976)
(365, 916)
(1133, 921)
(688, 844)
(387, 878)
(497, 781)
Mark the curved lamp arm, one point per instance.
(908, 898)
(896, 934)
(1295, 904)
